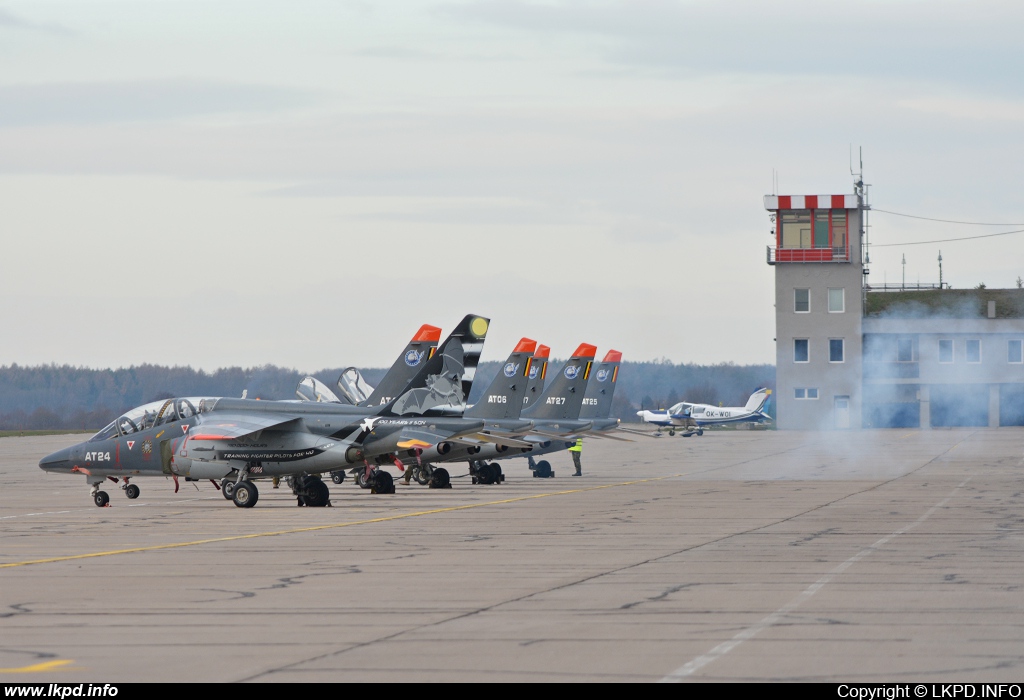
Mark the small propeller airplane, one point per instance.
(694, 417)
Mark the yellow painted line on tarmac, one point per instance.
(35, 668)
(314, 528)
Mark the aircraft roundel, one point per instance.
(511, 368)
(572, 371)
(412, 358)
(602, 375)
(479, 327)
(534, 369)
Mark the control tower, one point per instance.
(818, 257)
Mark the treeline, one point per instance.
(50, 397)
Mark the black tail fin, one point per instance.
(504, 397)
(563, 399)
(538, 373)
(417, 352)
(442, 384)
(597, 402)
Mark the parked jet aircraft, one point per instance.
(694, 416)
(597, 406)
(239, 439)
(499, 407)
(558, 417)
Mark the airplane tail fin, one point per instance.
(538, 373)
(563, 399)
(597, 402)
(503, 398)
(758, 400)
(420, 349)
(443, 382)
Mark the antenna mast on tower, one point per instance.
(861, 190)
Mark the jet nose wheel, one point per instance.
(422, 474)
(100, 498)
(245, 494)
(227, 488)
(132, 491)
(440, 479)
(383, 483)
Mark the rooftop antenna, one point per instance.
(904, 283)
(940, 269)
(861, 191)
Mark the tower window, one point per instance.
(802, 303)
(801, 350)
(836, 300)
(835, 350)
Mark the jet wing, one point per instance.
(494, 439)
(413, 437)
(609, 436)
(632, 431)
(230, 426)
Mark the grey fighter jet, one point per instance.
(499, 407)
(554, 417)
(597, 407)
(238, 440)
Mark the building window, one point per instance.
(838, 229)
(973, 351)
(801, 350)
(836, 300)
(1015, 351)
(802, 301)
(817, 228)
(905, 350)
(835, 349)
(805, 393)
(946, 352)
(796, 228)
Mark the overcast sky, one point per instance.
(304, 183)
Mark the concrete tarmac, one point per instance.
(858, 557)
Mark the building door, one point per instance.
(842, 412)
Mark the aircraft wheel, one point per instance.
(543, 470)
(439, 479)
(100, 498)
(672, 433)
(338, 477)
(320, 495)
(422, 474)
(360, 479)
(499, 476)
(383, 483)
(132, 491)
(227, 488)
(700, 432)
(245, 494)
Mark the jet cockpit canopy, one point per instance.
(161, 412)
(312, 389)
(353, 387)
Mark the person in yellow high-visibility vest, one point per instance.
(576, 451)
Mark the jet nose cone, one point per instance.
(59, 461)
